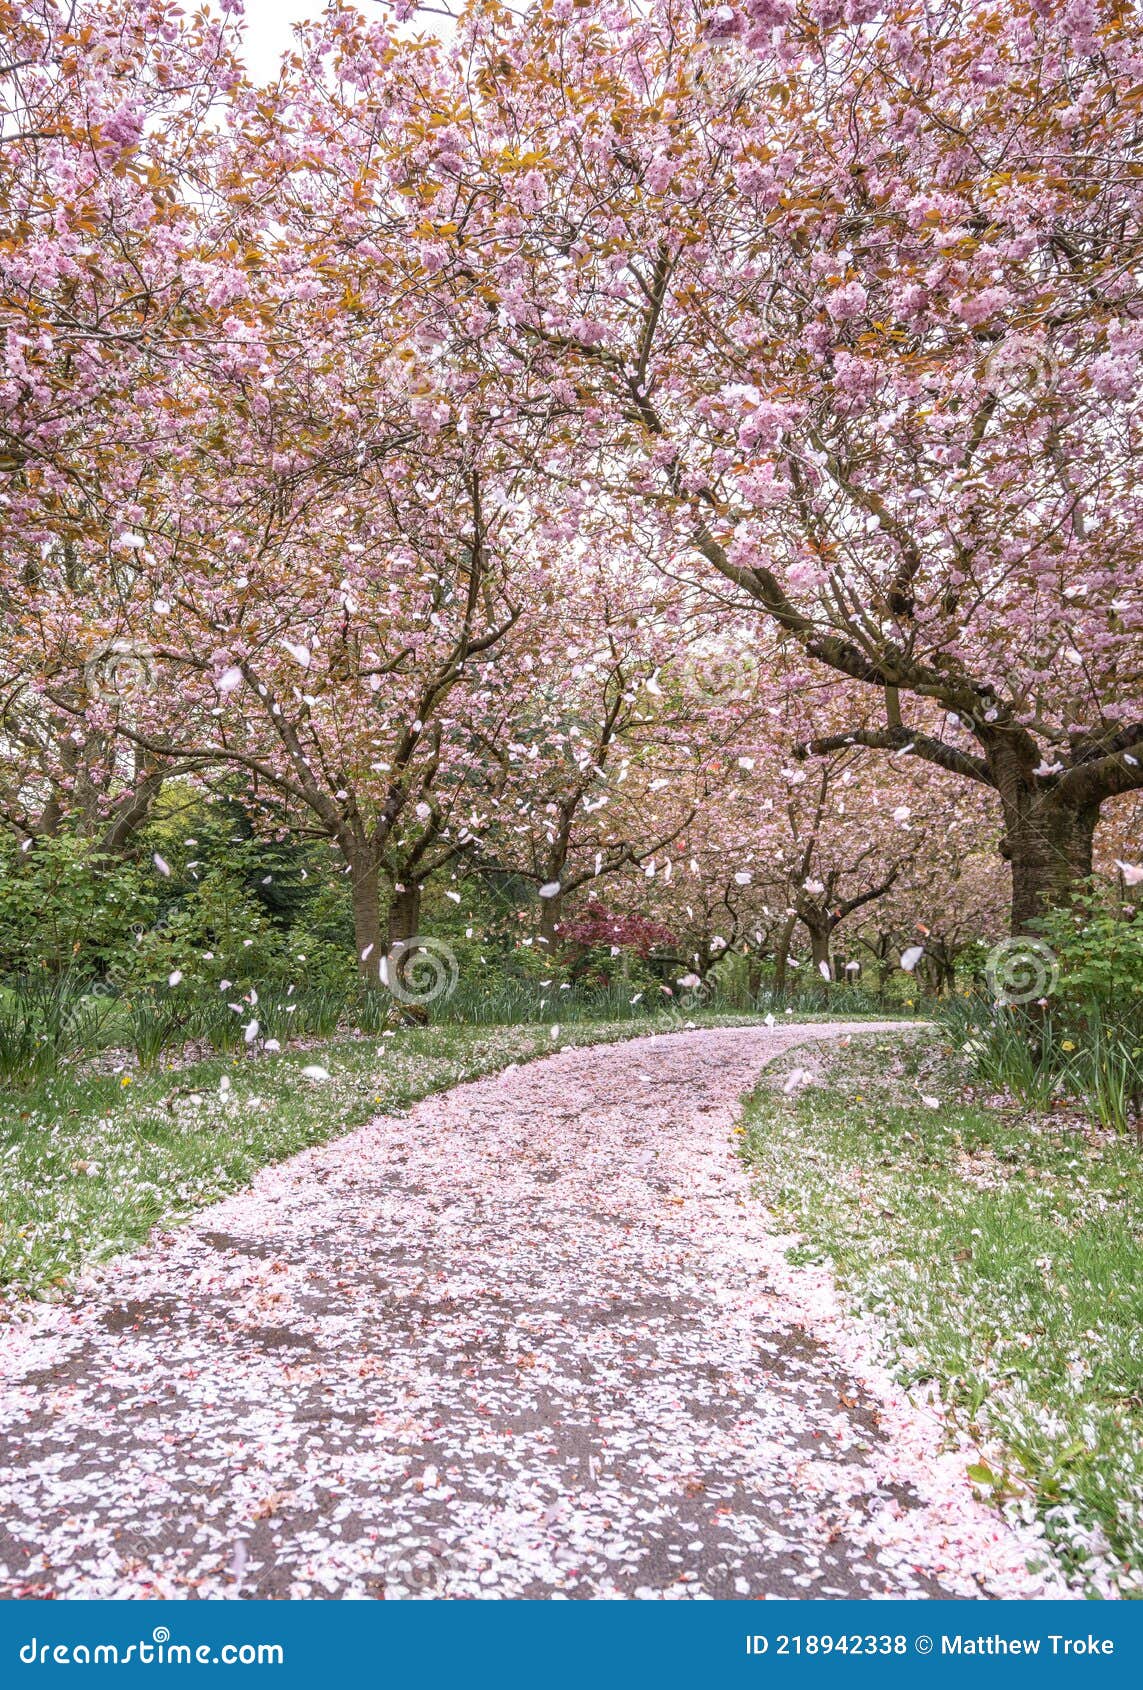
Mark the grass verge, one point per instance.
(1002, 1253)
(90, 1162)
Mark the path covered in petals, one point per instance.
(532, 1339)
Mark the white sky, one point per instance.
(268, 24)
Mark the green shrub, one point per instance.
(65, 909)
(1087, 1044)
(1098, 943)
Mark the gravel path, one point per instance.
(531, 1339)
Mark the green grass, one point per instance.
(505, 1001)
(1087, 1052)
(1002, 1253)
(48, 1022)
(89, 1163)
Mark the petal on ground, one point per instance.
(534, 1338)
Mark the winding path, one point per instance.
(533, 1338)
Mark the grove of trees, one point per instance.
(656, 476)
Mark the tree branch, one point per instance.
(903, 739)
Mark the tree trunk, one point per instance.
(404, 914)
(550, 925)
(944, 967)
(1049, 845)
(367, 921)
(884, 964)
(132, 812)
(819, 947)
(782, 956)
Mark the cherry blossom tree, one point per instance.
(788, 848)
(103, 112)
(326, 537)
(856, 292)
(354, 690)
(713, 903)
(951, 891)
(603, 766)
(106, 113)
(412, 435)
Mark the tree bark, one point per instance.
(404, 914)
(943, 961)
(367, 920)
(782, 956)
(819, 947)
(550, 909)
(1049, 845)
(132, 812)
